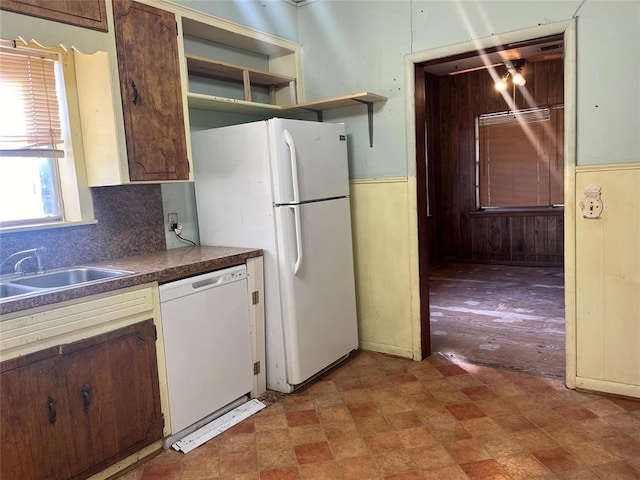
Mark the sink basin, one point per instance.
(67, 277)
(10, 290)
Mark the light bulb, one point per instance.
(518, 79)
(501, 84)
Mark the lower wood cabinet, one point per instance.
(72, 410)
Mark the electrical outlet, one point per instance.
(173, 221)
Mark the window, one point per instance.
(520, 158)
(38, 172)
(30, 140)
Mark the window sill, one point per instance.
(518, 212)
(45, 226)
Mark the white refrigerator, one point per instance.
(282, 185)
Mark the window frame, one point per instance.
(74, 194)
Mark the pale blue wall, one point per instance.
(270, 16)
(351, 46)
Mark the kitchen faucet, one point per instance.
(24, 255)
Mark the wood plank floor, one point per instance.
(509, 317)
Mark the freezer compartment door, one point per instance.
(232, 186)
(308, 160)
(317, 280)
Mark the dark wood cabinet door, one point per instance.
(114, 399)
(35, 428)
(86, 13)
(147, 48)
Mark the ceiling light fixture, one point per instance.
(514, 70)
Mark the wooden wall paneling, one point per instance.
(454, 164)
(537, 83)
(540, 235)
(551, 240)
(556, 156)
(517, 239)
(559, 238)
(556, 71)
(479, 238)
(442, 190)
(500, 228)
(449, 134)
(432, 119)
(525, 239)
(527, 244)
(495, 101)
(530, 239)
(466, 164)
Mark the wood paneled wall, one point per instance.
(456, 230)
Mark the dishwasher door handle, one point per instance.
(206, 283)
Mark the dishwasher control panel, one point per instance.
(217, 278)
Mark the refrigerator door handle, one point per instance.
(288, 139)
(299, 253)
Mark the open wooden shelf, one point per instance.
(218, 70)
(341, 102)
(230, 105)
(211, 102)
(248, 77)
(223, 104)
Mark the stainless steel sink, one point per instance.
(11, 290)
(14, 286)
(68, 277)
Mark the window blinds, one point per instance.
(30, 118)
(520, 158)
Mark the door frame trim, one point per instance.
(419, 249)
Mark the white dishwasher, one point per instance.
(206, 328)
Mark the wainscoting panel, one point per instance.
(381, 229)
(608, 281)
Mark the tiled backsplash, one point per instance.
(130, 222)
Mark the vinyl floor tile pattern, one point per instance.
(382, 417)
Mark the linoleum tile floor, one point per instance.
(382, 417)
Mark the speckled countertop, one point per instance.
(161, 267)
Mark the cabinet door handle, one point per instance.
(135, 93)
(86, 398)
(51, 403)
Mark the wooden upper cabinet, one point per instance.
(86, 13)
(148, 64)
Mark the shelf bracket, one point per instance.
(369, 118)
(317, 112)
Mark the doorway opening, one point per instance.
(491, 205)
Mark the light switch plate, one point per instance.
(591, 205)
